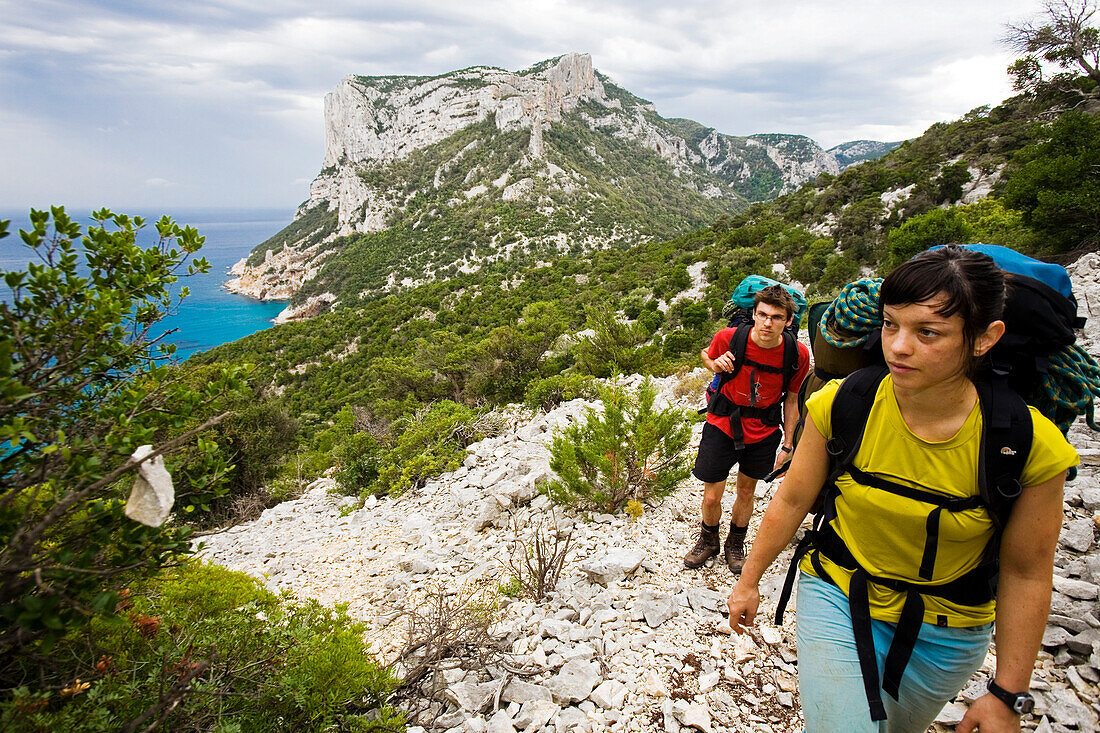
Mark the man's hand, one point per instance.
(724, 363)
(743, 601)
(989, 715)
(781, 456)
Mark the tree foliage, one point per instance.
(1056, 184)
(1064, 35)
(83, 384)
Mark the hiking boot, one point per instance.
(707, 546)
(735, 550)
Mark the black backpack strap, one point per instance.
(1005, 446)
(790, 360)
(739, 344)
(859, 607)
(851, 408)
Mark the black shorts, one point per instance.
(717, 455)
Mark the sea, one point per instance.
(210, 315)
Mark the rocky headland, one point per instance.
(579, 132)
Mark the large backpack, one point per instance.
(739, 314)
(1030, 360)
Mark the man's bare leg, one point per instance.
(709, 543)
(740, 516)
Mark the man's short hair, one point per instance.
(775, 295)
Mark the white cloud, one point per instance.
(159, 183)
(219, 83)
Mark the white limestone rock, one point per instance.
(613, 566)
(152, 495)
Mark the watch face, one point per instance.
(1024, 704)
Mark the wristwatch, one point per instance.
(785, 449)
(1017, 702)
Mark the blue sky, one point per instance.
(206, 103)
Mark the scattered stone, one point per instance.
(610, 694)
(704, 599)
(696, 716)
(535, 714)
(656, 608)
(524, 692)
(471, 696)
(771, 635)
(653, 685)
(613, 566)
(1084, 642)
(1078, 534)
(1055, 636)
(1079, 589)
(952, 714)
(574, 681)
(501, 722)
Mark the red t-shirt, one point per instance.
(754, 386)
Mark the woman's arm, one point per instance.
(1023, 600)
(784, 514)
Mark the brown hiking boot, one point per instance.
(735, 551)
(707, 546)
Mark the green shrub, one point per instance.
(82, 385)
(357, 459)
(548, 393)
(939, 226)
(204, 648)
(631, 451)
(614, 347)
(431, 442)
(1055, 183)
(679, 342)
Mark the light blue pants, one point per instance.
(829, 679)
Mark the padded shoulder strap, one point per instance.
(790, 360)
(1005, 445)
(739, 342)
(851, 408)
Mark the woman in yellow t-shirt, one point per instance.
(941, 315)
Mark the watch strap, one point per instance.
(1017, 702)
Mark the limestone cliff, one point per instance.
(448, 173)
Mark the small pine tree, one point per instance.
(630, 452)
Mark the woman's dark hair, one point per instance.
(973, 286)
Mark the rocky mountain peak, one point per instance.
(381, 119)
(455, 171)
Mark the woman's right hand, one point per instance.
(743, 601)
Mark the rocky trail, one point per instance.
(629, 640)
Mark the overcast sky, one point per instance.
(131, 103)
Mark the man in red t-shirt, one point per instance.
(754, 397)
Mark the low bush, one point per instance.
(536, 563)
(630, 451)
(548, 393)
(204, 648)
(428, 443)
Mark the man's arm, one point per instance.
(790, 422)
(724, 362)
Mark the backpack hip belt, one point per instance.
(971, 589)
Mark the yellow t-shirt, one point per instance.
(886, 534)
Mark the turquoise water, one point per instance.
(210, 315)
